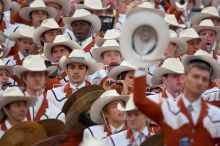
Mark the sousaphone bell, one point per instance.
(144, 38)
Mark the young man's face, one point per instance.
(193, 46)
(197, 81)
(174, 82)
(59, 51)
(81, 29)
(113, 114)
(136, 120)
(111, 57)
(4, 76)
(35, 81)
(37, 17)
(50, 35)
(26, 46)
(17, 111)
(77, 72)
(209, 39)
(170, 51)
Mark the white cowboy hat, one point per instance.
(145, 6)
(6, 4)
(169, 66)
(22, 32)
(111, 34)
(82, 14)
(108, 45)
(207, 24)
(91, 4)
(124, 66)
(189, 34)
(181, 44)
(65, 4)
(13, 94)
(79, 56)
(171, 20)
(144, 42)
(206, 13)
(9, 68)
(48, 24)
(106, 98)
(59, 40)
(36, 6)
(33, 63)
(203, 56)
(129, 105)
(95, 142)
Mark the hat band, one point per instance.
(77, 58)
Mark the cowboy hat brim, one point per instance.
(91, 63)
(25, 12)
(160, 72)
(97, 52)
(19, 70)
(127, 44)
(139, 9)
(99, 104)
(116, 71)
(181, 45)
(48, 48)
(197, 18)
(93, 19)
(40, 30)
(214, 28)
(65, 4)
(82, 6)
(186, 59)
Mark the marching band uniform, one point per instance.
(4, 127)
(202, 128)
(58, 96)
(129, 137)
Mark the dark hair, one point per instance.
(66, 47)
(198, 64)
(4, 115)
(122, 75)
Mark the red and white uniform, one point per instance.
(44, 110)
(100, 132)
(58, 96)
(129, 137)
(4, 127)
(201, 126)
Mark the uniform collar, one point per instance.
(196, 104)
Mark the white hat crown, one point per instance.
(127, 64)
(207, 22)
(129, 105)
(112, 34)
(109, 93)
(171, 19)
(12, 91)
(37, 3)
(26, 31)
(81, 13)
(173, 34)
(34, 63)
(61, 39)
(173, 64)
(77, 53)
(94, 4)
(50, 23)
(109, 43)
(201, 52)
(211, 10)
(189, 32)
